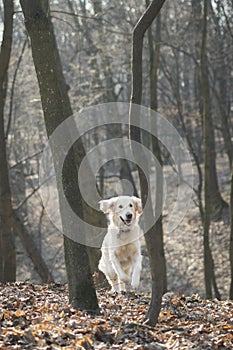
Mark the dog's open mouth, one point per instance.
(127, 222)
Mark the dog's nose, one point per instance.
(128, 216)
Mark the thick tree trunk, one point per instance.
(208, 162)
(56, 107)
(153, 239)
(7, 248)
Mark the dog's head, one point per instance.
(123, 210)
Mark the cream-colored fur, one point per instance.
(121, 249)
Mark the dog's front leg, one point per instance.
(123, 277)
(136, 272)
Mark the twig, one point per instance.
(25, 159)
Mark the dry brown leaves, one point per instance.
(39, 317)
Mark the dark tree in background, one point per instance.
(56, 107)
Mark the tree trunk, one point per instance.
(198, 153)
(208, 161)
(7, 247)
(218, 204)
(154, 67)
(231, 234)
(56, 107)
(153, 239)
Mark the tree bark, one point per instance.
(153, 240)
(208, 161)
(231, 234)
(7, 247)
(154, 67)
(57, 108)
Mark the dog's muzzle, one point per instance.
(128, 219)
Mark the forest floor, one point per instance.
(40, 317)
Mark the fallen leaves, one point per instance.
(39, 317)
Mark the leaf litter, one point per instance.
(40, 317)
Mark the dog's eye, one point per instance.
(131, 205)
(120, 206)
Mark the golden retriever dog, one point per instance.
(121, 258)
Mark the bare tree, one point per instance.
(57, 108)
(153, 239)
(154, 50)
(7, 248)
(208, 158)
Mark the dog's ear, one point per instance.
(138, 204)
(104, 205)
(107, 205)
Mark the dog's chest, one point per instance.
(125, 252)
